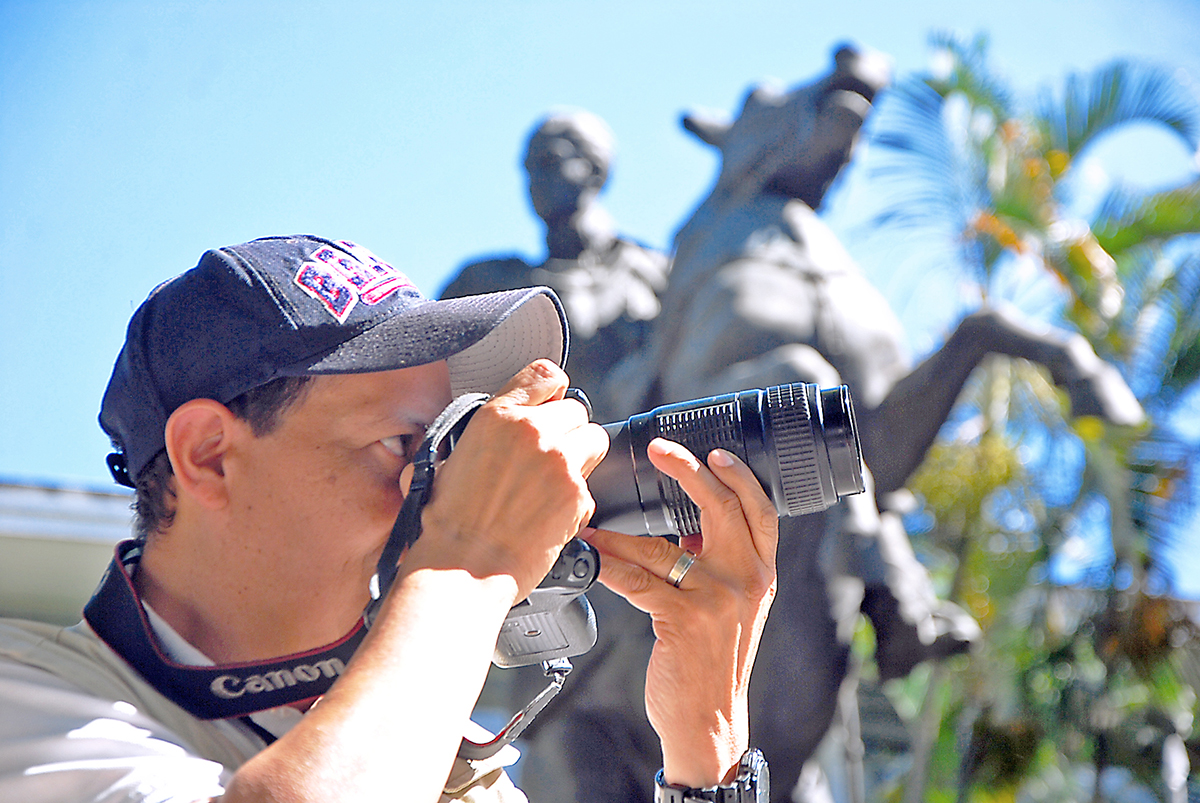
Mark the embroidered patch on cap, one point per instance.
(340, 279)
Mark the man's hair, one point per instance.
(260, 407)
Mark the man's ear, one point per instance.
(198, 435)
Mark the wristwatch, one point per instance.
(752, 785)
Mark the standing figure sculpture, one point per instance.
(762, 293)
(609, 285)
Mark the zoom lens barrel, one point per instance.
(800, 441)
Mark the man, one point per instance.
(608, 284)
(267, 405)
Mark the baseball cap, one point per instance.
(306, 306)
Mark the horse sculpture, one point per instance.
(761, 293)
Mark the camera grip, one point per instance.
(555, 620)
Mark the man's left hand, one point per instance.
(708, 627)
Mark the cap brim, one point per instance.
(485, 339)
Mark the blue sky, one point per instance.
(135, 135)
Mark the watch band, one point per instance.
(751, 785)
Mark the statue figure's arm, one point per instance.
(488, 276)
(896, 434)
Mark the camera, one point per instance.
(801, 442)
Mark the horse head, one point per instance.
(795, 142)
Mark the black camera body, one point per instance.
(801, 442)
(555, 620)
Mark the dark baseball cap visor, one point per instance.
(485, 340)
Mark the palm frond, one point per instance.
(1115, 94)
(1141, 276)
(1126, 220)
(1185, 339)
(970, 74)
(1162, 348)
(1186, 369)
(922, 176)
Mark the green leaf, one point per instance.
(1127, 223)
(1187, 366)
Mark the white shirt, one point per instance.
(63, 739)
(78, 725)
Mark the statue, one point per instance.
(609, 286)
(762, 293)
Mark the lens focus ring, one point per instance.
(790, 422)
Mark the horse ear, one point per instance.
(708, 129)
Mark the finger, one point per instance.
(564, 423)
(558, 415)
(591, 441)
(656, 556)
(538, 382)
(757, 508)
(715, 499)
(640, 588)
(637, 567)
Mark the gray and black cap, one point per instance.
(306, 306)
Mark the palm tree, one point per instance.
(1078, 652)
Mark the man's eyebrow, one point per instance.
(402, 418)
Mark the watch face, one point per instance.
(754, 779)
(763, 787)
(752, 785)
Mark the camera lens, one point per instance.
(801, 442)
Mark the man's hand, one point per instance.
(707, 629)
(513, 491)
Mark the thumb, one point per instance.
(538, 382)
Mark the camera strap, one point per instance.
(407, 529)
(450, 423)
(223, 691)
(557, 670)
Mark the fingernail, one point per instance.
(721, 458)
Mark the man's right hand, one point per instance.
(514, 491)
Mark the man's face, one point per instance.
(324, 486)
(559, 176)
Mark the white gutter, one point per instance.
(54, 544)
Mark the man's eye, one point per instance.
(399, 445)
